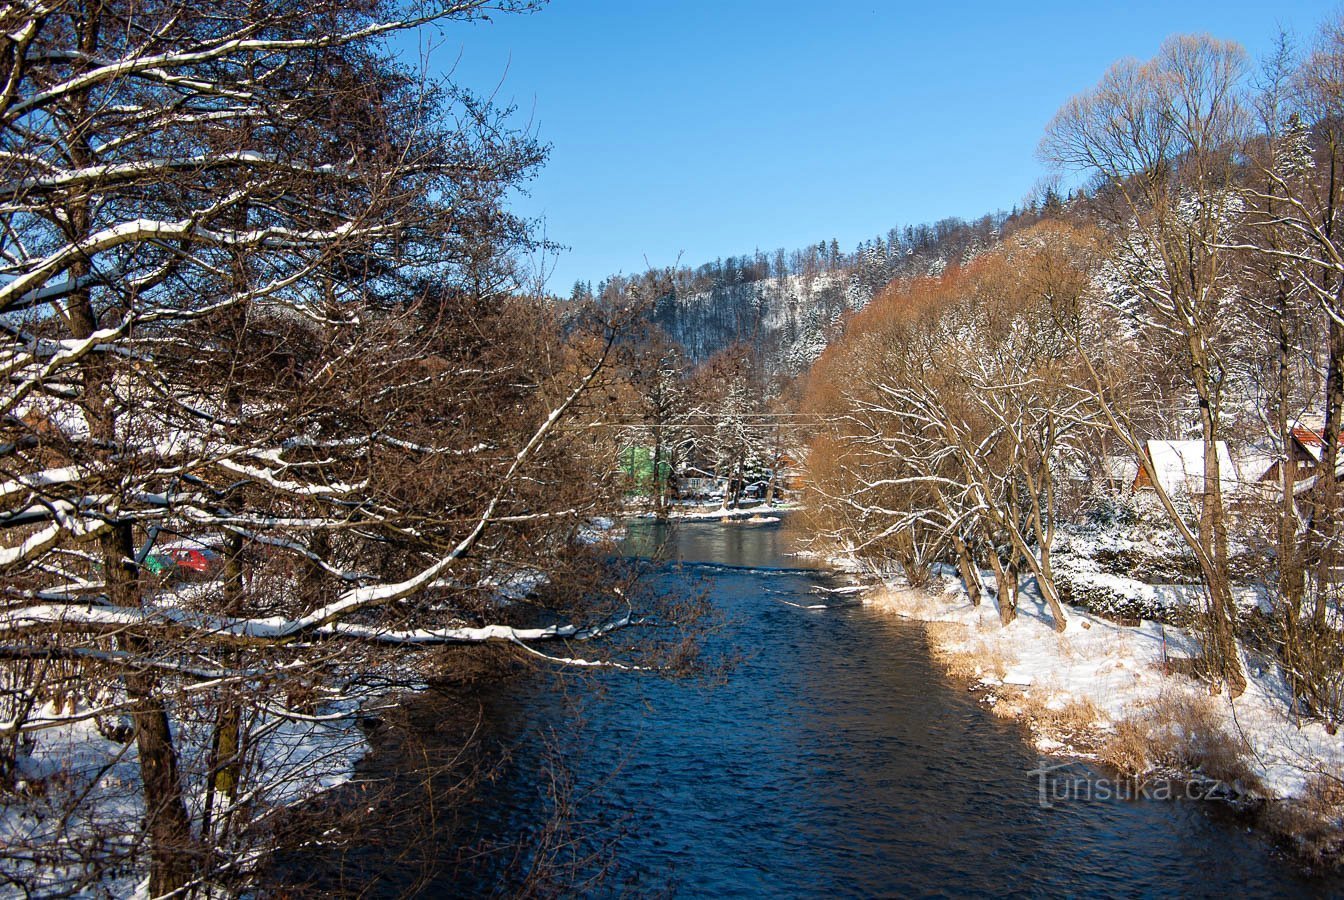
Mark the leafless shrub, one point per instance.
(1180, 731)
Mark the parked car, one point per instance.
(185, 563)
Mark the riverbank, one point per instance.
(1122, 695)
(837, 757)
(81, 764)
(407, 812)
(759, 513)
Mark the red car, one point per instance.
(185, 563)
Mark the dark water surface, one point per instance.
(836, 762)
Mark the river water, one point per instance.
(836, 761)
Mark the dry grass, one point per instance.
(1073, 721)
(1070, 721)
(968, 662)
(1128, 747)
(941, 634)
(910, 602)
(1325, 793)
(1180, 730)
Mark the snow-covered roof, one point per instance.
(1179, 466)
(1255, 465)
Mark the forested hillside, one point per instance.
(790, 305)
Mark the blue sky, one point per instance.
(699, 129)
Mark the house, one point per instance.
(1179, 466)
(700, 486)
(1305, 450)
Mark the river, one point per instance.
(837, 761)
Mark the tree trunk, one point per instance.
(1043, 527)
(735, 484)
(970, 572)
(1292, 579)
(912, 564)
(774, 478)
(167, 824)
(1213, 535)
(1326, 515)
(1005, 593)
(1013, 573)
(226, 749)
(659, 483)
(1045, 583)
(776, 458)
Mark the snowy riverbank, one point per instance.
(760, 513)
(1120, 694)
(75, 765)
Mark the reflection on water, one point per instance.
(835, 762)
(736, 543)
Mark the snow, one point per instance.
(272, 627)
(515, 584)
(1019, 676)
(1129, 596)
(759, 514)
(1122, 469)
(301, 756)
(1180, 466)
(1254, 465)
(802, 605)
(1120, 670)
(600, 530)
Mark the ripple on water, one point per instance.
(838, 762)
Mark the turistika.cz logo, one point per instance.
(1073, 782)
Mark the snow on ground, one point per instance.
(1119, 671)
(845, 563)
(74, 766)
(761, 512)
(601, 530)
(1128, 596)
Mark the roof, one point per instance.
(1179, 466)
(1311, 441)
(1258, 466)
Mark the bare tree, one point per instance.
(731, 398)
(1290, 238)
(256, 292)
(1161, 137)
(954, 409)
(663, 404)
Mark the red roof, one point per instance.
(1312, 441)
(1307, 436)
